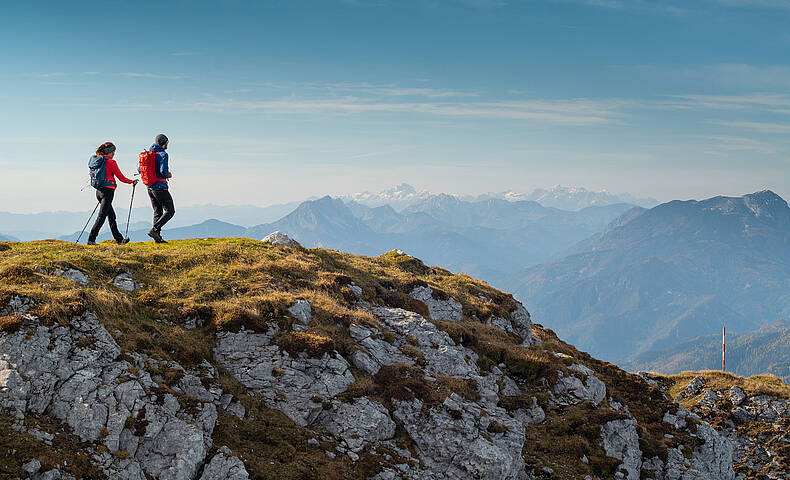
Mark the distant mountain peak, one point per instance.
(405, 188)
(765, 203)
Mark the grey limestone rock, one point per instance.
(693, 388)
(72, 274)
(442, 355)
(31, 467)
(125, 282)
(450, 442)
(17, 305)
(572, 389)
(363, 362)
(301, 311)
(449, 310)
(522, 325)
(379, 351)
(53, 474)
(280, 239)
(358, 423)
(355, 289)
(290, 384)
(223, 466)
(72, 373)
(737, 396)
(621, 441)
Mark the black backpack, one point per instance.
(97, 166)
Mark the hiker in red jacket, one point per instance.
(104, 170)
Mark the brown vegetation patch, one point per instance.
(404, 382)
(567, 435)
(273, 447)
(312, 344)
(11, 323)
(66, 453)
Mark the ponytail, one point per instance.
(105, 148)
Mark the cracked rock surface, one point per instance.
(449, 310)
(73, 373)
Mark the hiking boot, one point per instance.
(155, 235)
(122, 241)
(90, 242)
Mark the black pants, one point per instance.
(105, 196)
(162, 203)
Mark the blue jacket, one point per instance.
(162, 168)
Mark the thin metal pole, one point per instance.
(129, 217)
(86, 223)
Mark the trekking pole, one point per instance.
(86, 223)
(129, 217)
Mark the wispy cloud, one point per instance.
(643, 6)
(678, 7)
(767, 102)
(377, 153)
(761, 127)
(365, 88)
(152, 75)
(48, 75)
(726, 144)
(567, 112)
(756, 3)
(740, 75)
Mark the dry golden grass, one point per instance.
(11, 323)
(226, 283)
(765, 384)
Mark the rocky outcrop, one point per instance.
(518, 323)
(280, 239)
(363, 386)
(621, 441)
(692, 389)
(449, 440)
(72, 274)
(579, 386)
(359, 423)
(449, 310)
(441, 355)
(755, 427)
(125, 282)
(302, 312)
(74, 373)
(296, 385)
(17, 305)
(224, 466)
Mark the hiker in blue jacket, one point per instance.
(161, 201)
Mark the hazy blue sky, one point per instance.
(272, 101)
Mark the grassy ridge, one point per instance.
(233, 283)
(227, 284)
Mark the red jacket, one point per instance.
(112, 172)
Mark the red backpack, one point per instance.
(148, 168)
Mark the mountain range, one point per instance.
(655, 278)
(490, 238)
(564, 198)
(571, 198)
